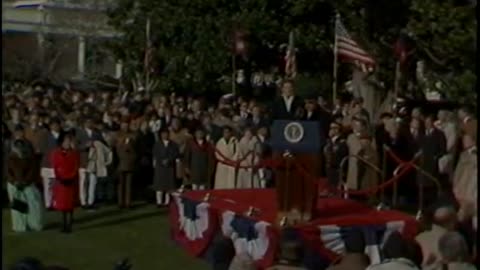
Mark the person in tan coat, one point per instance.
(354, 147)
(367, 175)
(465, 176)
(125, 147)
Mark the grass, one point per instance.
(100, 239)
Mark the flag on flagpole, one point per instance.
(290, 58)
(349, 50)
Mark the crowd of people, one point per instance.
(92, 147)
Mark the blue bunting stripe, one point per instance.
(193, 217)
(248, 236)
(333, 237)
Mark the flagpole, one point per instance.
(147, 48)
(335, 60)
(234, 71)
(398, 75)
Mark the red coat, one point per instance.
(66, 164)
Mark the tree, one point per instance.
(445, 32)
(193, 38)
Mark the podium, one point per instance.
(298, 144)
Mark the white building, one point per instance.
(58, 37)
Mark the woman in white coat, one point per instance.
(226, 150)
(247, 178)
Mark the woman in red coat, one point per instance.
(66, 161)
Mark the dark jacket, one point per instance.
(280, 111)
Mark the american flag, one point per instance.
(349, 49)
(290, 58)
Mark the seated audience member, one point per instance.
(444, 220)
(454, 252)
(397, 254)
(354, 257)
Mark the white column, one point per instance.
(81, 56)
(118, 69)
(41, 44)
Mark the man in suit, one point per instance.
(311, 111)
(85, 138)
(433, 146)
(335, 151)
(256, 120)
(285, 107)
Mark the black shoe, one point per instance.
(50, 209)
(91, 208)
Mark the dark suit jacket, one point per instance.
(280, 108)
(314, 117)
(434, 146)
(256, 123)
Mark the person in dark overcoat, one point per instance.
(165, 156)
(65, 160)
(433, 146)
(335, 151)
(199, 161)
(143, 173)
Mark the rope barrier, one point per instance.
(406, 166)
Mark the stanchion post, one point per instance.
(420, 189)
(384, 173)
(252, 164)
(287, 179)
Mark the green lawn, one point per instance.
(100, 239)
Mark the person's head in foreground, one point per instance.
(445, 217)
(453, 248)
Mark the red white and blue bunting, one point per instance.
(333, 237)
(196, 224)
(249, 236)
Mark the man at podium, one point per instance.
(285, 106)
(296, 142)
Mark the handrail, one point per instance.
(345, 159)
